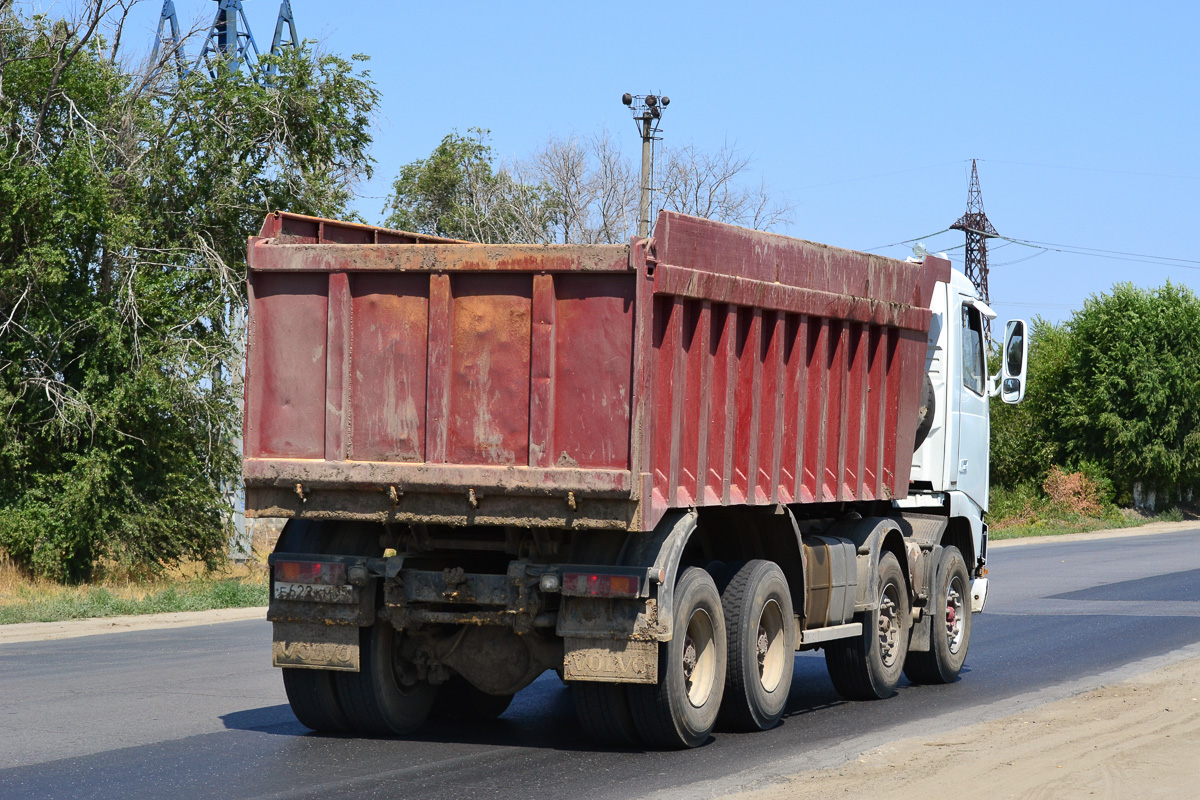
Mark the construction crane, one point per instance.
(170, 20)
(229, 40)
(228, 37)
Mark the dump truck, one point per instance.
(659, 469)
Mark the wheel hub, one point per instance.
(955, 625)
(689, 658)
(889, 630)
(698, 659)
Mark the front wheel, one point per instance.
(951, 624)
(868, 667)
(681, 710)
(761, 646)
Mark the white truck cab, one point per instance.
(950, 466)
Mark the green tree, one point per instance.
(460, 192)
(1114, 393)
(125, 202)
(1127, 395)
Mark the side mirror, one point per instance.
(1015, 356)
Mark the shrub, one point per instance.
(1073, 492)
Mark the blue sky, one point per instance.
(1084, 115)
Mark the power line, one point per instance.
(1023, 304)
(907, 241)
(1019, 260)
(1082, 250)
(878, 175)
(1094, 169)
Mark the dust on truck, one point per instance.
(658, 469)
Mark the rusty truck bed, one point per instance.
(394, 376)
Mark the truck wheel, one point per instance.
(310, 692)
(681, 710)
(722, 572)
(458, 699)
(376, 699)
(950, 634)
(313, 698)
(761, 645)
(868, 667)
(604, 713)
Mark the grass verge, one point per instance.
(1007, 529)
(23, 599)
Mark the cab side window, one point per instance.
(972, 349)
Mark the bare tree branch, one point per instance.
(709, 185)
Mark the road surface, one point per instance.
(199, 712)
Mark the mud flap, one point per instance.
(299, 645)
(610, 661)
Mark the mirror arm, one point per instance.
(994, 384)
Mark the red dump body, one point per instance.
(393, 376)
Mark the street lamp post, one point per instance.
(647, 114)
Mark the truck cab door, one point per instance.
(969, 470)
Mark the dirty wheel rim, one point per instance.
(889, 624)
(768, 646)
(955, 616)
(699, 658)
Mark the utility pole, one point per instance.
(647, 113)
(978, 229)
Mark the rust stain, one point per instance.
(488, 436)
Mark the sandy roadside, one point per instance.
(1133, 739)
(69, 629)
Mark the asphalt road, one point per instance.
(199, 712)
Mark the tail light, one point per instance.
(330, 574)
(592, 584)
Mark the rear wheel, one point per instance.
(385, 697)
(681, 710)
(761, 644)
(313, 698)
(951, 624)
(310, 692)
(868, 667)
(604, 713)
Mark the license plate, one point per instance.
(315, 592)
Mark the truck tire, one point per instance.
(722, 572)
(604, 713)
(459, 700)
(761, 637)
(313, 697)
(375, 699)
(310, 692)
(868, 667)
(681, 710)
(950, 631)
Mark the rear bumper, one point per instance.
(441, 493)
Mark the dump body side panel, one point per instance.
(783, 371)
